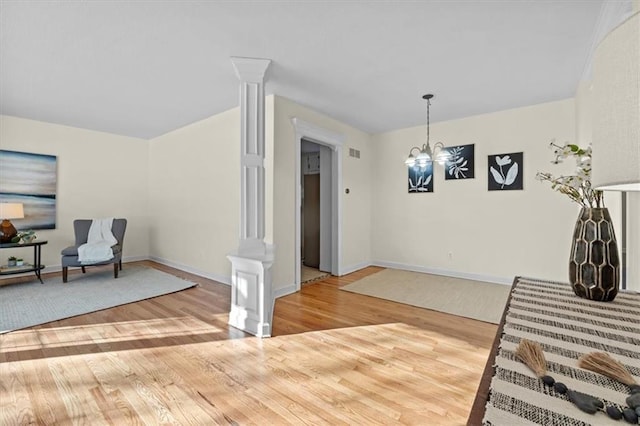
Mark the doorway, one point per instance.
(310, 215)
(315, 213)
(329, 145)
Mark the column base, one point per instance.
(251, 295)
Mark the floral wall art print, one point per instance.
(460, 162)
(505, 171)
(30, 179)
(421, 178)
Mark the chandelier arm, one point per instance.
(411, 150)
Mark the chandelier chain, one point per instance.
(426, 154)
(428, 104)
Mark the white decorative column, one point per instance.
(251, 295)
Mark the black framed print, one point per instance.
(460, 162)
(505, 171)
(421, 178)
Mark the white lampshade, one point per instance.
(11, 211)
(616, 126)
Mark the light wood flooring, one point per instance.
(336, 358)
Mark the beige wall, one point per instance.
(356, 175)
(99, 175)
(490, 235)
(194, 180)
(181, 193)
(194, 195)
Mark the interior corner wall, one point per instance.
(462, 229)
(99, 175)
(194, 196)
(356, 176)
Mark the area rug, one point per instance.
(472, 299)
(31, 303)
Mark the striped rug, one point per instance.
(566, 326)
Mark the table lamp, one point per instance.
(616, 129)
(616, 126)
(9, 211)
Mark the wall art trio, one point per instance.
(504, 171)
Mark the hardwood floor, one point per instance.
(336, 358)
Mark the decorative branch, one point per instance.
(577, 187)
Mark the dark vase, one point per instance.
(594, 265)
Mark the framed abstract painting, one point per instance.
(30, 179)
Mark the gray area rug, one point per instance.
(466, 298)
(28, 304)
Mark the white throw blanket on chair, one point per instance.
(99, 242)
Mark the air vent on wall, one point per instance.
(355, 153)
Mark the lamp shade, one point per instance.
(11, 211)
(616, 125)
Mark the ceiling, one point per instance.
(143, 68)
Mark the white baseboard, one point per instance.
(290, 289)
(352, 268)
(216, 277)
(284, 291)
(445, 272)
(134, 259)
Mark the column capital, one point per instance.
(250, 69)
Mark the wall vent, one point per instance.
(355, 153)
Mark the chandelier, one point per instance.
(426, 155)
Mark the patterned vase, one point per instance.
(594, 265)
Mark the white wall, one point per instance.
(356, 175)
(194, 195)
(99, 175)
(491, 235)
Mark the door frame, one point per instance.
(333, 140)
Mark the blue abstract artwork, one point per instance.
(30, 179)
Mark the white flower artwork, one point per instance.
(505, 171)
(421, 178)
(459, 163)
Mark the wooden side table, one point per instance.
(35, 267)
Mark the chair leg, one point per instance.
(115, 270)
(84, 271)
(65, 270)
(120, 264)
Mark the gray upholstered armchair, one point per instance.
(81, 229)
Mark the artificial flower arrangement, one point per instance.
(578, 186)
(25, 236)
